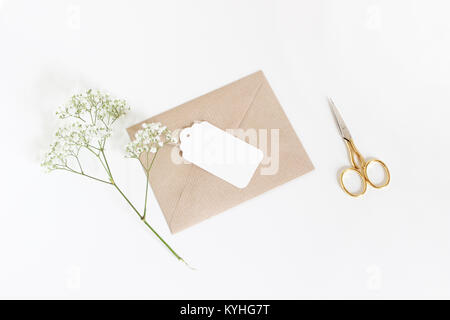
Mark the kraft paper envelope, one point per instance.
(187, 194)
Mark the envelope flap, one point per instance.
(224, 107)
(227, 106)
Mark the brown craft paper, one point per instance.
(187, 194)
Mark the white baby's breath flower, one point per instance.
(150, 138)
(87, 124)
(94, 107)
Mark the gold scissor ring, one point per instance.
(386, 173)
(363, 182)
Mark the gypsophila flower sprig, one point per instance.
(87, 121)
(148, 140)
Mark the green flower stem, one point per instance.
(147, 182)
(148, 225)
(85, 175)
(162, 240)
(146, 193)
(79, 164)
(142, 217)
(125, 197)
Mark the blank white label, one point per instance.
(220, 153)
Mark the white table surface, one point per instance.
(386, 63)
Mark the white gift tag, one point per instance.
(220, 153)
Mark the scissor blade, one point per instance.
(345, 133)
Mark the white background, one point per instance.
(387, 65)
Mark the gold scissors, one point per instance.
(359, 164)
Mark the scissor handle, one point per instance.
(361, 176)
(359, 165)
(386, 172)
(356, 158)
